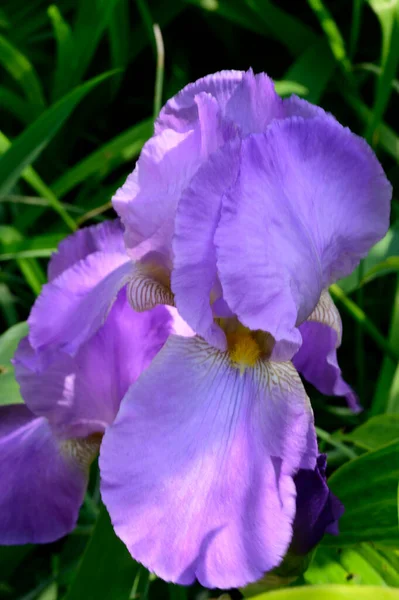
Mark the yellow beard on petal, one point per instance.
(243, 349)
(82, 451)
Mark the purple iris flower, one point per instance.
(242, 209)
(47, 445)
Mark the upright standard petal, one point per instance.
(42, 485)
(180, 113)
(317, 357)
(73, 306)
(105, 237)
(310, 201)
(194, 277)
(147, 201)
(254, 103)
(197, 468)
(81, 395)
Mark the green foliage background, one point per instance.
(79, 85)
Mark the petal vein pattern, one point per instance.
(211, 459)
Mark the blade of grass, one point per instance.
(92, 19)
(17, 106)
(286, 87)
(159, 70)
(289, 30)
(65, 49)
(145, 14)
(27, 146)
(355, 28)
(36, 247)
(23, 72)
(376, 70)
(123, 148)
(119, 39)
(388, 15)
(384, 136)
(332, 33)
(265, 18)
(360, 316)
(327, 437)
(385, 397)
(313, 69)
(31, 177)
(106, 570)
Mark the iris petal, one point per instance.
(73, 306)
(310, 201)
(317, 357)
(80, 395)
(197, 468)
(105, 237)
(42, 488)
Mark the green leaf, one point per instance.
(375, 262)
(376, 432)
(313, 69)
(17, 106)
(332, 34)
(386, 396)
(23, 72)
(368, 488)
(92, 19)
(111, 155)
(39, 246)
(29, 144)
(28, 217)
(388, 15)
(9, 388)
(265, 18)
(107, 569)
(65, 49)
(287, 87)
(384, 136)
(332, 592)
(360, 317)
(119, 39)
(360, 565)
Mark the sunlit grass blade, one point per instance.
(106, 570)
(111, 155)
(332, 33)
(25, 149)
(285, 87)
(313, 69)
(32, 247)
(9, 388)
(33, 179)
(388, 15)
(65, 50)
(331, 592)
(23, 72)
